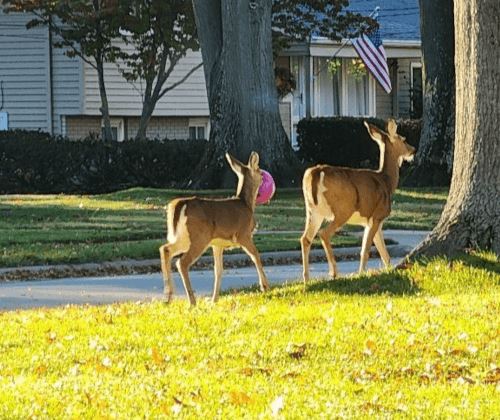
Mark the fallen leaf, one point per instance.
(296, 351)
(277, 405)
(239, 398)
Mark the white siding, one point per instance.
(404, 85)
(67, 88)
(24, 72)
(188, 99)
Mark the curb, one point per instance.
(204, 263)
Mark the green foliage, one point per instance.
(390, 345)
(85, 28)
(160, 32)
(35, 162)
(297, 21)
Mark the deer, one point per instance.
(363, 197)
(196, 223)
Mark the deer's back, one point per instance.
(344, 191)
(218, 218)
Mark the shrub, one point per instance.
(35, 162)
(344, 141)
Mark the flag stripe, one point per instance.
(368, 56)
(382, 62)
(368, 59)
(371, 51)
(374, 68)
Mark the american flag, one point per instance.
(371, 51)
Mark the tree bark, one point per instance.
(434, 159)
(235, 40)
(108, 134)
(471, 217)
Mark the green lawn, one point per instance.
(420, 343)
(41, 229)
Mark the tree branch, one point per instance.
(180, 82)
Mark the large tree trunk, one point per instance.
(434, 159)
(235, 39)
(471, 217)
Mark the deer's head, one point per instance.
(249, 177)
(391, 144)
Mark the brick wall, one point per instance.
(161, 127)
(80, 127)
(158, 128)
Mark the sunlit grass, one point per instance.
(419, 343)
(39, 229)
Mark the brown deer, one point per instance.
(196, 223)
(353, 196)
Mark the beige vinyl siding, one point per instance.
(188, 99)
(24, 73)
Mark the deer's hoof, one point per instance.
(168, 298)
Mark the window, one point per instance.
(416, 99)
(197, 133)
(357, 95)
(328, 87)
(199, 128)
(117, 129)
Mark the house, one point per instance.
(348, 90)
(42, 89)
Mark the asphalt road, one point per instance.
(147, 287)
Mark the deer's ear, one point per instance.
(374, 133)
(253, 160)
(391, 127)
(234, 163)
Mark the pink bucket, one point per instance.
(266, 189)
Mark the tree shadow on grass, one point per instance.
(391, 283)
(395, 282)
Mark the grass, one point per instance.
(51, 229)
(418, 343)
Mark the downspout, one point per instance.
(51, 75)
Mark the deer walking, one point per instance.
(354, 196)
(196, 223)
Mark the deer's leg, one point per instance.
(183, 264)
(250, 248)
(167, 252)
(313, 223)
(378, 239)
(325, 236)
(370, 232)
(218, 266)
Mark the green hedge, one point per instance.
(35, 162)
(344, 141)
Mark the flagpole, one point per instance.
(373, 15)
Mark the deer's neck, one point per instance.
(247, 195)
(390, 169)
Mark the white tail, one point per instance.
(353, 196)
(196, 223)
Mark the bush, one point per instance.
(344, 141)
(35, 162)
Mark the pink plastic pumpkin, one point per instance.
(266, 189)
